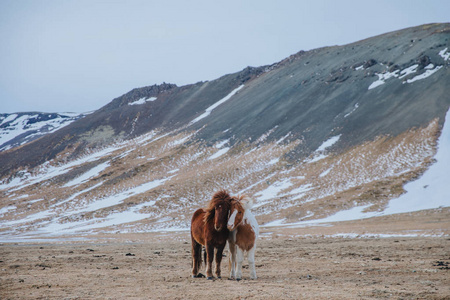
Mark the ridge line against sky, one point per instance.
(60, 56)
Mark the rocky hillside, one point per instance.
(319, 133)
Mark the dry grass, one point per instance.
(372, 173)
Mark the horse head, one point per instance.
(221, 215)
(219, 208)
(236, 213)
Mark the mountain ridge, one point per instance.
(322, 131)
(173, 93)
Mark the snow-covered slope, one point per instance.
(21, 128)
(429, 191)
(141, 185)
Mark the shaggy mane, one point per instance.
(246, 202)
(220, 196)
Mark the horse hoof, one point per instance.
(238, 279)
(219, 277)
(199, 275)
(230, 278)
(210, 278)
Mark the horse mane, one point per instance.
(220, 196)
(246, 202)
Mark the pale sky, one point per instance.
(78, 55)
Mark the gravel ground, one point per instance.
(288, 267)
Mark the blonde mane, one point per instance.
(246, 202)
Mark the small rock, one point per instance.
(369, 63)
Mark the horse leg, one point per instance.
(251, 262)
(204, 254)
(232, 259)
(219, 253)
(209, 261)
(239, 261)
(196, 257)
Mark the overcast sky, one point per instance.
(61, 56)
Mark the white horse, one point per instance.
(244, 231)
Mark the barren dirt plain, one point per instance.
(291, 263)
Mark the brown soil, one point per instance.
(289, 264)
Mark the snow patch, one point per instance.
(354, 109)
(173, 171)
(9, 118)
(95, 171)
(325, 173)
(222, 143)
(212, 107)
(444, 54)
(427, 73)
(6, 209)
(317, 158)
(142, 101)
(301, 190)
(120, 197)
(273, 161)
(30, 124)
(355, 213)
(328, 143)
(382, 78)
(430, 69)
(283, 138)
(180, 141)
(219, 153)
(74, 196)
(272, 191)
(47, 171)
(408, 71)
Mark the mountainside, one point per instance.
(21, 128)
(323, 132)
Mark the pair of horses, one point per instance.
(225, 219)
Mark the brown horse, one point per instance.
(209, 228)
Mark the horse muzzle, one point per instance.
(218, 228)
